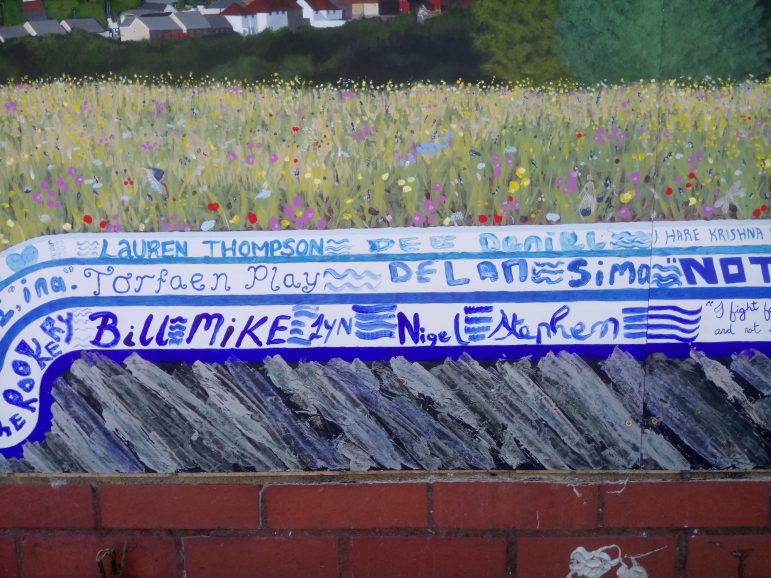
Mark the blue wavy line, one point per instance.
(635, 335)
(376, 308)
(631, 244)
(477, 320)
(479, 309)
(634, 310)
(374, 335)
(668, 269)
(548, 265)
(350, 272)
(374, 316)
(374, 325)
(538, 279)
(671, 336)
(675, 308)
(667, 282)
(337, 242)
(660, 317)
(657, 326)
(298, 341)
(350, 287)
(477, 330)
(669, 276)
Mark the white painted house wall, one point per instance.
(322, 18)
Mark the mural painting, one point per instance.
(275, 276)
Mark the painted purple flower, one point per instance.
(274, 224)
(63, 185)
(249, 160)
(623, 212)
(707, 210)
(232, 155)
(635, 176)
(418, 219)
(273, 157)
(297, 212)
(11, 106)
(38, 197)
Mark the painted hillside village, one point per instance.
(158, 21)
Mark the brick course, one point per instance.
(187, 527)
(46, 506)
(292, 557)
(180, 506)
(8, 565)
(347, 506)
(506, 505)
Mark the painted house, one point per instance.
(155, 28)
(219, 24)
(261, 15)
(11, 32)
(321, 13)
(146, 9)
(44, 28)
(192, 23)
(353, 9)
(90, 25)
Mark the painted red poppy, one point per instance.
(88, 219)
(252, 218)
(213, 207)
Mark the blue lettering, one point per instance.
(449, 275)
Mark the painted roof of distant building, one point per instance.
(192, 20)
(42, 27)
(159, 23)
(85, 24)
(319, 5)
(222, 4)
(218, 22)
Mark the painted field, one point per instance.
(124, 155)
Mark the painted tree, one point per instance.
(516, 38)
(664, 39)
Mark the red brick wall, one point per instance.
(422, 525)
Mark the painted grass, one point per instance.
(78, 156)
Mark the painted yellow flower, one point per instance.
(513, 186)
(628, 195)
(520, 172)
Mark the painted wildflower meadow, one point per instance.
(118, 154)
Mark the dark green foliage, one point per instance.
(398, 50)
(517, 38)
(13, 13)
(663, 39)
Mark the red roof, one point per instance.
(35, 6)
(261, 7)
(233, 10)
(318, 5)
